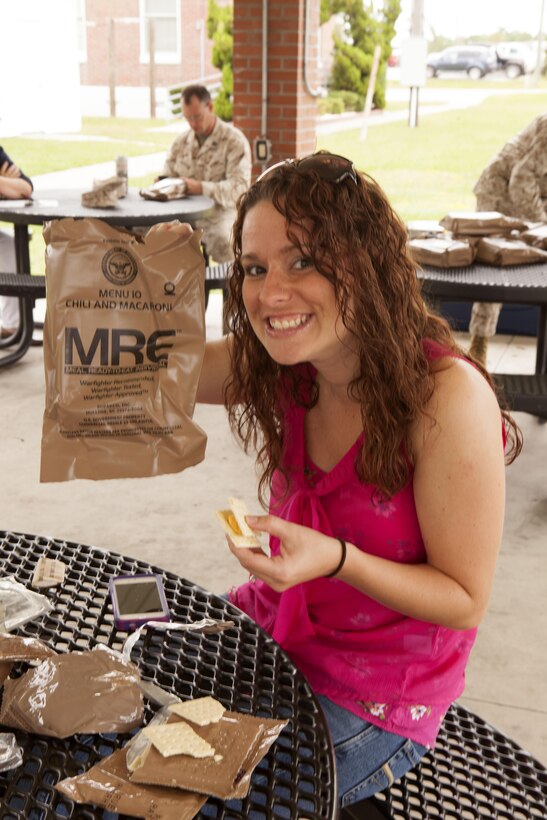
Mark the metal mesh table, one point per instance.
(241, 667)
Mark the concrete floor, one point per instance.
(169, 521)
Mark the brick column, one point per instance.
(290, 109)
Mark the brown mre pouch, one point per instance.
(88, 692)
(496, 250)
(107, 785)
(5, 669)
(536, 236)
(424, 228)
(240, 742)
(124, 339)
(481, 223)
(19, 648)
(442, 252)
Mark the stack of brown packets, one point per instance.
(487, 237)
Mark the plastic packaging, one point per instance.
(89, 692)
(11, 755)
(18, 605)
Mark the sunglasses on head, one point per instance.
(329, 167)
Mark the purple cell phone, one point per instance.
(137, 599)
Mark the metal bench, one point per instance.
(14, 284)
(515, 284)
(474, 773)
(27, 289)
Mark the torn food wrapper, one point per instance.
(165, 189)
(235, 526)
(89, 692)
(16, 648)
(240, 742)
(18, 605)
(107, 785)
(11, 755)
(208, 626)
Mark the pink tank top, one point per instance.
(394, 671)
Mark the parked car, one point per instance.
(516, 58)
(475, 60)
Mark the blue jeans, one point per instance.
(368, 759)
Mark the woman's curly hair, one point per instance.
(356, 241)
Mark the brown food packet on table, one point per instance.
(107, 785)
(76, 692)
(535, 235)
(16, 648)
(105, 193)
(124, 338)
(239, 742)
(481, 223)
(20, 648)
(165, 189)
(442, 252)
(424, 229)
(5, 669)
(497, 250)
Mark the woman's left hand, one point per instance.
(175, 226)
(304, 553)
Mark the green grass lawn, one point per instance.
(431, 169)
(426, 171)
(100, 140)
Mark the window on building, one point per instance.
(164, 16)
(81, 30)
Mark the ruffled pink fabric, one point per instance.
(397, 672)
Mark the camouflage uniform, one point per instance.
(223, 165)
(515, 184)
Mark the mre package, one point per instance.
(124, 338)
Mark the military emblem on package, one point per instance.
(119, 267)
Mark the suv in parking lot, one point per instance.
(516, 58)
(475, 60)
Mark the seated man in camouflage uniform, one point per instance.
(515, 184)
(214, 159)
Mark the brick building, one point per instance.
(113, 39)
(276, 60)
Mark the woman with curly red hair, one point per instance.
(381, 448)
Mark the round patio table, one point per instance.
(241, 666)
(132, 211)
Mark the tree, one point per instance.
(363, 29)
(220, 31)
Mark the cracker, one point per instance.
(201, 711)
(48, 573)
(178, 739)
(235, 526)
